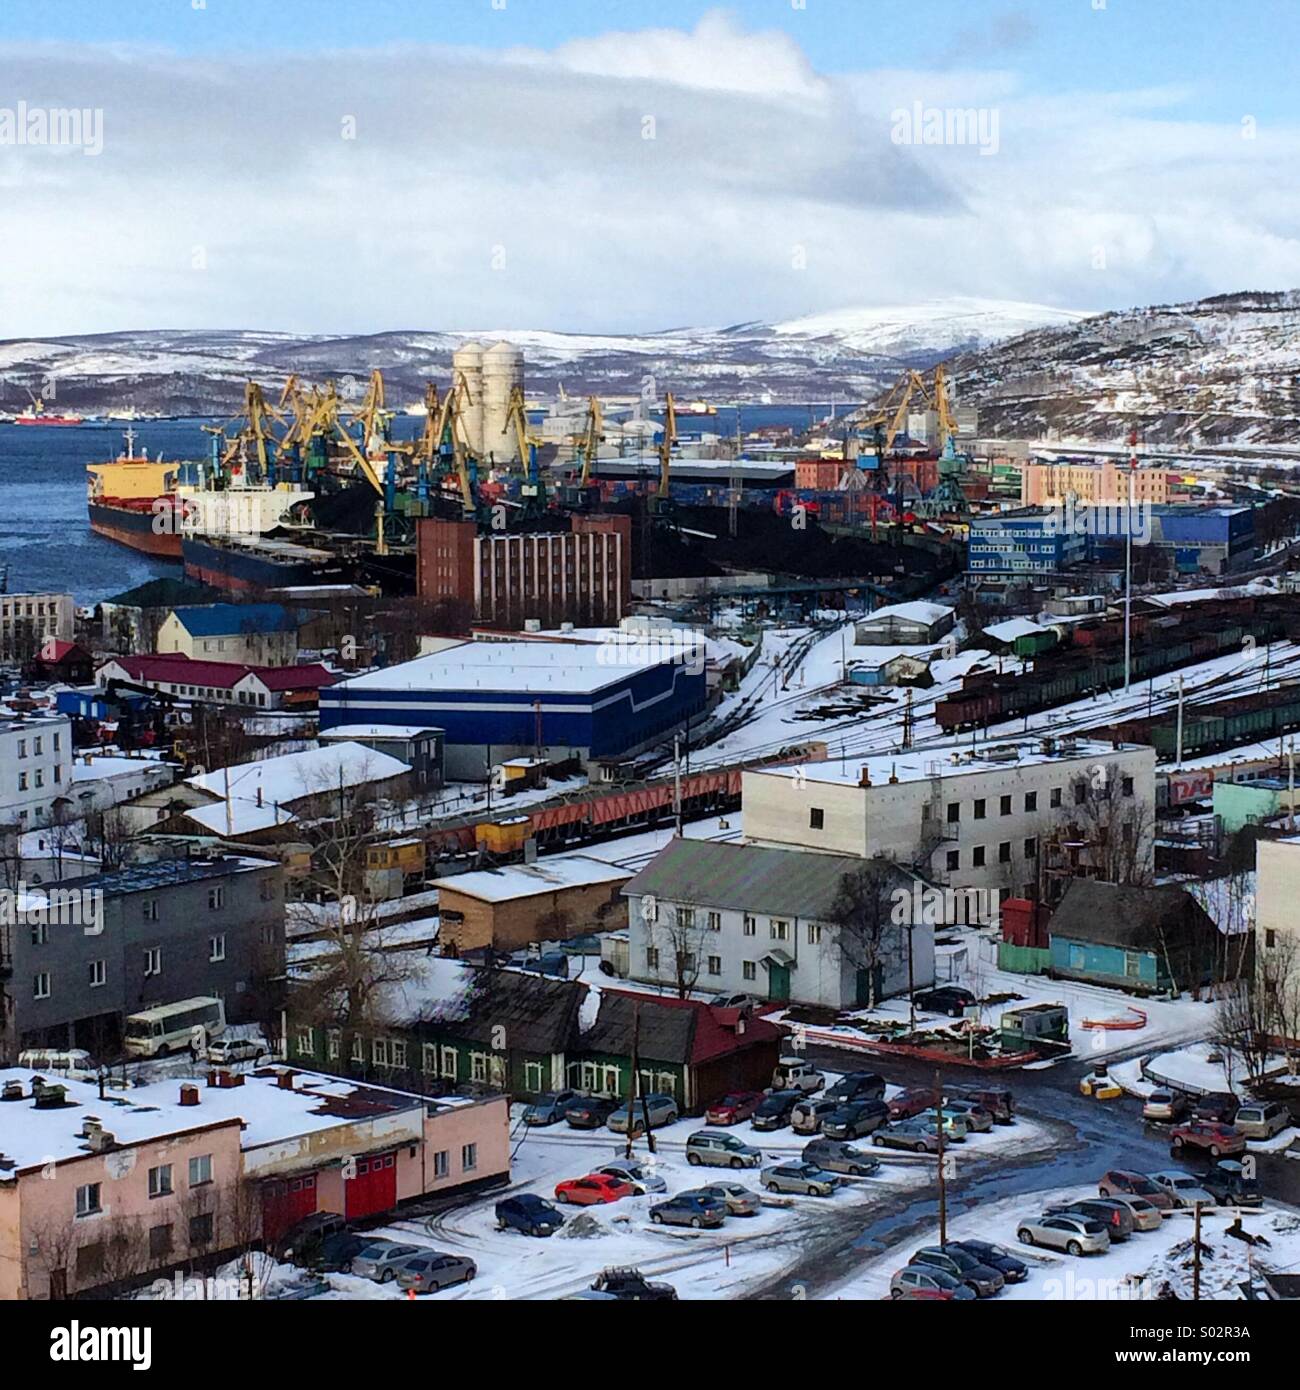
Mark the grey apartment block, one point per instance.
(112, 944)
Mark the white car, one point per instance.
(1183, 1188)
(224, 1051)
(637, 1174)
(1076, 1235)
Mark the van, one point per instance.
(72, 1060)
(997, 1100)
(1262, 1119)
(715, 1149)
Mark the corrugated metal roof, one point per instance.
(1111, 914)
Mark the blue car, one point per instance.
(528, 1214)
(686, 1210)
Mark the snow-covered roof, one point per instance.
(245, 817)
(918, 611)
(1013, 628)
(293, 776)
(526, 880)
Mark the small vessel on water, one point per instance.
(36, 414)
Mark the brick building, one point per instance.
(582, 576)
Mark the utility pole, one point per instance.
(1179, 745)
(631, 1081)
(1290, 786)
(677, 783)
(1196, 1256)
(911, 981)
(943, 1181)
(1128, 565)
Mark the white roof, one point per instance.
(1013, 628)
(245, 818)
(141, 1113)
(293, 776)
(347, 732)
(512, 667)
(526, 880)
(916, 612)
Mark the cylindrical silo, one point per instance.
(503, 370)
(467, 362)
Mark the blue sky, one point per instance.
(496, 169)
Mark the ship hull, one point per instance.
(134, 528)
(256, 568)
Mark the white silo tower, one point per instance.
(467, 362)
(503, 370)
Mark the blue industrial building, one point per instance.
(506, 699)
(1025, 541)
(1190, 539)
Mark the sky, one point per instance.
(633, 165)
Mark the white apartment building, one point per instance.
(35, 768)
(963, 817)
(1277, 921)
(28, 620)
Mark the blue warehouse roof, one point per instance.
(225, 619)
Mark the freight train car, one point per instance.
(1208, 728)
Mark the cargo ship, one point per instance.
(267, 563)
(36, 414)
(131, 501)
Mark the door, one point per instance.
(862, 989)
(778, 981)
(285, 1203)
(373, 1187)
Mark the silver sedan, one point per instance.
(740, 1200)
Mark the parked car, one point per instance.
(739, 1199)
(910, 1102)
(836, 1157)
(914, 1135)
(1146, 1215)
(1114, 1215)
(662, 1110)
(334, 1254)
(796, 1074)
(856, 1118)
(1185, 1190)
(1076, 1235)
(997, 1100)
(776, 1110)
(955, 1128)
(630, 1285)
(806, 1178)
(641, 1178)
(952, 1259)
(299, 1241)
(952, 1000)
(1220, 1107)
(920, 1281)
(808, 1116)
(715, 1150)
(1217, 1140)
(688, 1209)
(734, 1001)
(226, 1051)
(590, 1112)
(859, 1085)
(550, 1108)
(978, 1120)
(1012, 1270)
(1228, 1184)
(528, 1214)
(1262, 1119)
(1165, 1107)
(379, 1260)
(734, 1108)
(1119, 1183)
(432, 1270)
(595, 1189)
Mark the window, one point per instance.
(441, 1163)
(40, 933)
(379, 1052)
(478, 1066)
(1132, 965)
(1078, 958)
(88, 1199)
(397, 1054)
(685, 917)
(1056, 797)
(751, 925)
(333, 1044)
(22, 747)
(1005, 806)
(1270, 938)
(748, 970)
(358, 1048)
(977, 857)
(780, 930)
(1126, 832)
(814, 934)
(152, 961)
(1080, 793)
(22, 781)
(652, 957)
(306, 1042)
(954, 859)
(450, 1063)
(954, 812)
(429, 1059)
(41, 985)
(1031, 849)
(715, 921)
(715, 965)
(216, 948)
(201, 1229)
(200, 1169)
(1126, 786)
(216, 897)
(1004, 852)
(38, 746)
(816, 818)
(160, 1180)
(1031, 801)
(980, 808)
(40, 777)
(468, 1157)
(532, 1076)
(687, 959)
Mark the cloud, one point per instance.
(454, 188)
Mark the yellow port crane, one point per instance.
(324, 420)
(666, 445)
(448, 430)
(591, 438)
(891, 414)
(373, 417)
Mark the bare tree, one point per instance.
(861, 916)
(1118, 831)
(51, 1240)
(675, 934)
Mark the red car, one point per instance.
(911, 1102)
(592, 1190)
(733, 1108)
(1119, 1183)
(1217, 1140)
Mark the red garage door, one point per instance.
(286, 1203)
(373, 1187)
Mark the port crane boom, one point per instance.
(666, 445)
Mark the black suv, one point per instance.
(857, 1085)
(631, 1286)
(952, 1000)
